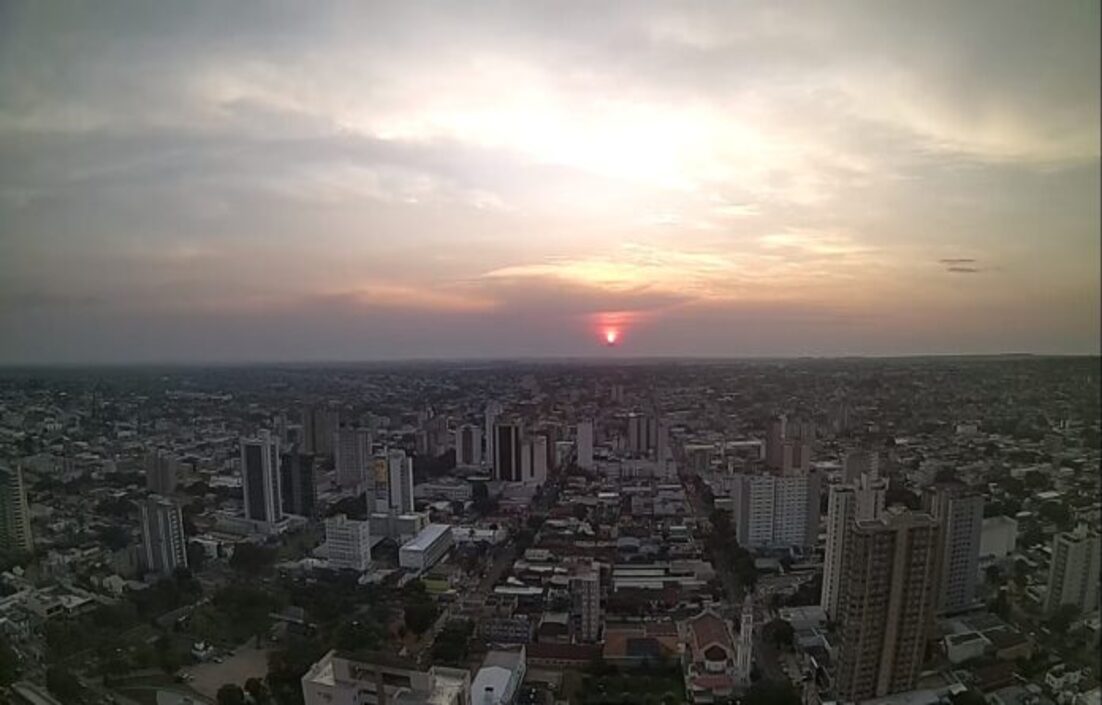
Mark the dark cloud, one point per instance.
(963, 270)
(956, 260)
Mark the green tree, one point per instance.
(250, 559)
(419, 616)
(231, 694)
(257, 691)
(1062, 618)
(771, 693)
(780, 633)
(968, 697)
(63, 684)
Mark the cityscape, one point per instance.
(537, 352)
(777, 532)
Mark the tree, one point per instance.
(993, 574)
(771, 693)
(1032, 535)
(258, 691)
(9, 663)
(968, 697)
(780, 633)
(231, 694)
(419, 616)
(251, 559)
(1035, 481)
(63, 684)
(1057, 513)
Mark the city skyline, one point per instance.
(360, 182)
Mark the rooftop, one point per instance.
(426, 537)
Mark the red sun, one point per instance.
(612, 336)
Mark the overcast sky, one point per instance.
(318, 181)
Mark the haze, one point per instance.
(194, 182)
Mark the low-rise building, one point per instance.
(338, 679)
(425, 549)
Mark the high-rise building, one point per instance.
(533, 460)
(788, 444)
(297, 483)
(887, 603)
(585, 584)
(1073, 574)
(642, 433)
(348, 543)
(468, 446)
(160, 473)
(399, 482)
(319, 423)
(960, 513)
(861, 499)
(585, 445)
(164, 544)
(260, 478)
(507, 451)
(353, 456)
(493, 410)
(860, 462)
(776, 511)
(15, 515)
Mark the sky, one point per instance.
(233, 182)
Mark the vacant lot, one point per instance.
(246, 662)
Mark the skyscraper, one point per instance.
(788, 444)
(297, 483)
(1073, 574)
(348, 543)
(887, 603)
(960, 513)
(160, 472)
(468, 446)
(642, 433)
(859, 500)
(585, 445)
(493, 410)
(164, 546)
(260, 478)
(399, 482)
(534, 460)
(585, 584)
(508, 451)
(15, 515)
(319, 423)
(353, 456)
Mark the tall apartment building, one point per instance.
(585, 445)
(160, 473)
(297, 483)
(788, 445)
(887, 603)
(468, 446)
(353, 456)
(15, 515)
(508, 455)
(776, 511)
(960, 513)
(260, 479)
(858, 500)
(348, 543)
(319, 423)
(1074, 572)
(642, 434)
(164, 545)
(858, 463)
(399, 482)
(533, 460)
(585, 584)
(489, 430)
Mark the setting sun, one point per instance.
(611, 336)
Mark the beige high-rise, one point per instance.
(887, 603)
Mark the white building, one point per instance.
(498, 680)
(859, 500)
(164, 545)
(427, 548)
(468, 446)
(776, 511)
(348, 543)
(585, 584)
(260, 479)
(399, 482)
(1073, 575)
(336, 680)
(585, 445)
(353, 456)
(998, 537)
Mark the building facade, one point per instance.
(160, 473)
(260, 481)
(1073, 575)
(297, 483)
(15, 515)
(508, 453)
(776, 511)
(348, 543)
(468, 446)
(859, 500)
(164, 545)
(353, 456)
(960, 513)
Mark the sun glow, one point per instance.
(612, 336)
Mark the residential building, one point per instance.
(642, 434)
(998, 537)
(15, 515)
(498, 680)
(468, 446)
(399, 482)
(585, 585)
(788, 445)
(960, 513)
(1073, 575)
(585, 445)
(533, 461)
(860, 499)
(164, 545)
(160, 473)
(887, 603)
(319, 423)
(493, 410)
(776, 511)
(260, 481)
(353, 456)
(348, 543)
(508, 453)
(298, 483)
(424, 550)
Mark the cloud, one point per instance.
(963, 270)
(956, 260)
